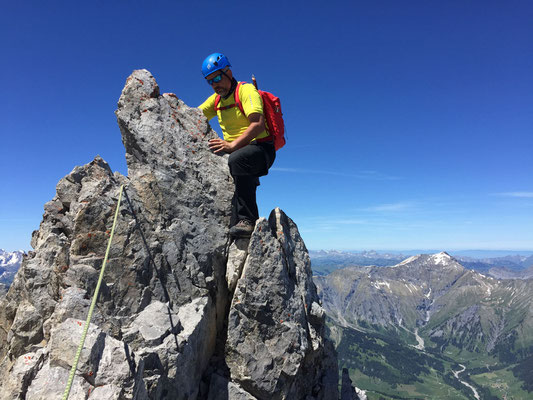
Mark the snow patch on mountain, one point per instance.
(9, 265)
(378, 285)
(441, 258)
(8, 259)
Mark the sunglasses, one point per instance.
(216, 79)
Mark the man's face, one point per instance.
(223, 86)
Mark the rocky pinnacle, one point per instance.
(183, 313)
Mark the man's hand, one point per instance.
(257, 125)
(220, 146)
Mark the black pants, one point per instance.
(246, 165)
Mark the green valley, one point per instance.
(427, 328)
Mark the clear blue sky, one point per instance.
(410, 123)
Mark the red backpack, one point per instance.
(272, 113)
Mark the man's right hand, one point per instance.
(220, 146)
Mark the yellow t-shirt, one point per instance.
(232, 121)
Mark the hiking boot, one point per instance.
(244, 228)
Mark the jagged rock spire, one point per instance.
(166, 321)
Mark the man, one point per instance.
(250, 146)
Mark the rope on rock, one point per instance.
(93, 303)
(170, 306)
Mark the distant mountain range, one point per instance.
(325, 261)
(506, 273)
(407, 329)
(512, 266)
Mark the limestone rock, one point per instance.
(238, 251)
(160, 329)
(275, 347)
(50, 383)
(107, 392)
(23, 372)
(223, 388)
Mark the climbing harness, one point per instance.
(93, 303)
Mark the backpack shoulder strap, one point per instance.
(237, 103)
(238, 99)
(217, 101)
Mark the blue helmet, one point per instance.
(214, 62)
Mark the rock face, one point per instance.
(275, 315)
(182, 313)
(348, 391)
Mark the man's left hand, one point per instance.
(220, 146)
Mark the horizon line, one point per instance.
(415, 250)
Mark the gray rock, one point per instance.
(23, 371)
(26, 328)
(72, 304)
(160, 325)
(271, 330)
(223, 388)
(152, 325)
(103, 359)
(107, 392)
(50, 383)
(347, 390)
(238, 251)
(64, 340)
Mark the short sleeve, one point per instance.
(208, 106)
(250, 99)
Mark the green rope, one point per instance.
(93, 303)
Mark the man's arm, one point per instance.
(257, 125)
(208, 107)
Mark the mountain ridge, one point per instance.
(431, 303)
(511, 266)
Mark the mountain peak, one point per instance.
(168, 323)
(442, 258)
(437, 259)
